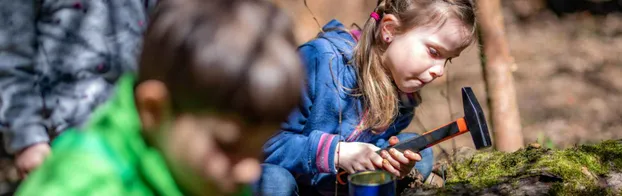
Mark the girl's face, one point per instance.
(419, 55)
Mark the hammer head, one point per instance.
(475, 119)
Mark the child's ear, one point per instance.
(389, 25)
(152, 103)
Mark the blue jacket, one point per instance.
(307, 141)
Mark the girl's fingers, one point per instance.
(369, 166)
(389, 168)
(376, 160)
(390, 159)
(412, 156)
(398, 156)
(350, 170)
(359, 167)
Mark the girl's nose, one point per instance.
(437, 71)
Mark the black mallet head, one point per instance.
(475, 119)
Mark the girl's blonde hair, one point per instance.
(380, 95)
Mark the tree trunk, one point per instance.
(496, 63)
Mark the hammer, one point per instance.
(473, 121)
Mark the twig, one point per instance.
(313, 15)
(448, 98)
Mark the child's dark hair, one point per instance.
(226, 56)
(378, 91)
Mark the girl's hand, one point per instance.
(397, 163)
(357, 156)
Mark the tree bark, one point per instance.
(496, 63)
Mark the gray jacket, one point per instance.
(59, 60)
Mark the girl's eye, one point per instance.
(434, 52)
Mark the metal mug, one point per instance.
(370, 183)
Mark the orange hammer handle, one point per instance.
(462, 128)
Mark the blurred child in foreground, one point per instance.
(215, 80)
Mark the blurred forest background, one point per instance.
(568, 72)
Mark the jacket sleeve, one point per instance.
(85, 174)
(21, 104)
(295, 148)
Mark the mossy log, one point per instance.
(581, 170)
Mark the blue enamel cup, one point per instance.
(371, 183)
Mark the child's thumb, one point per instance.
(393, 140)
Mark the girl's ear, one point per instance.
(388, 26)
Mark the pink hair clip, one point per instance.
(375, 16)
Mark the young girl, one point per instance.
(362, 93)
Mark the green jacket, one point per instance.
(109, 158)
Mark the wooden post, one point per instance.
(496, 65)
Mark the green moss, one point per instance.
(609, 152)
(474, 173)
(568, 164)
(488, 168)
(576, 167)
